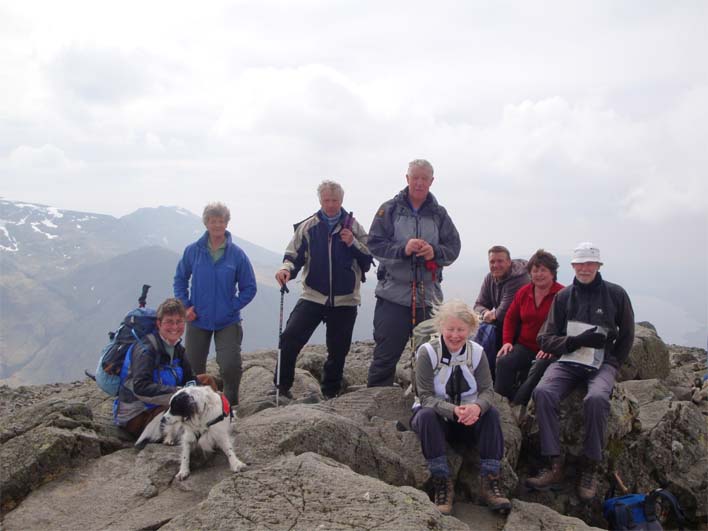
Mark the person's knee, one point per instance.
(426, 419)
(504, 363)
(491, 415)
(595, 402)
(230, 365)
(543, 395)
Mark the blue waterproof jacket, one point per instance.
(218, 289)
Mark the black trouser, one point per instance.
(518, 373)
(392, 328)
(303, 321)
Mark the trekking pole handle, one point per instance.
(349, 221)
(143, 295)
(284, 289)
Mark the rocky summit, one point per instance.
(345, 463)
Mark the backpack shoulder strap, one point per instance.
(432, 354)
(153, 341)
(476, 353)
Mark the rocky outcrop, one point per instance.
(312, 462)
(40, 442)
(649, 357)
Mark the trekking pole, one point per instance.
(414, 293)
(283, 290)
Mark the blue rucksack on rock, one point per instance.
(638, 512)
(137, 324)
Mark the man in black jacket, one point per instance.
(591, 327)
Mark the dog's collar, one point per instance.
(225, 412)
(216, 420)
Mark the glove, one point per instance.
(589, 338)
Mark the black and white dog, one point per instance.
(197, 417)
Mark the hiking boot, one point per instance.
(491, 495)
(283, 392)
(587, 485)
(444, 494)
(549, 477)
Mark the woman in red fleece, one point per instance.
(520, 361)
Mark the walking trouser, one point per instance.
(557, 383)
(434, 431)
(392, 329)
(518, 373)
(303, 320)
(227, 342)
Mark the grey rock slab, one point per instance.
(307, 492)
(124, 490)
(527, 516)
(301, 428)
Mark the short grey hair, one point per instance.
(421, 163)
(457, 309)
(216, 210)
(331, 186)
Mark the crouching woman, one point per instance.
(453, 403)
(153, 370)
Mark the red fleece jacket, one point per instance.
(523, 309)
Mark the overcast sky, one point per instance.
(548, 123)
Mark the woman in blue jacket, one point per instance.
(222, 283)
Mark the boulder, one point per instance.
(652, 398)
(649, 357)
(302, 428)
(669, 451)
(257, 382)
(356, 368)
(40, 442)
(309, 491)
(526, 516)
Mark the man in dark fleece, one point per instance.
(591, 327)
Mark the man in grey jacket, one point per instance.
(498, 289)
(413, 238)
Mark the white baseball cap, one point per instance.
(586, 252)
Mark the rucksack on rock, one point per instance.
(137, 324)
(422, 333)
(638, 512)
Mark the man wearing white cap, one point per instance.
(591, 327)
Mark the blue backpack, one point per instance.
(638, 512)
(487, 337)
(136, 325)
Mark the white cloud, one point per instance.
(44, 158)
(546, 127)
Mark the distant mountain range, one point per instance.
(69, 277)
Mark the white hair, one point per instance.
(457, 309)
(331, 186)
(421, 163)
